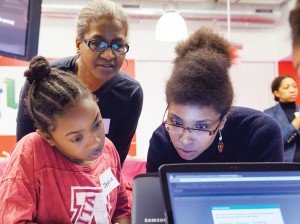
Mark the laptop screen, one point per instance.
(233, 197)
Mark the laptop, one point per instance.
(231, 193)
(147, 200)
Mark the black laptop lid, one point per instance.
(256, 193)
(147, 200)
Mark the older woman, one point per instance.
(101, 43)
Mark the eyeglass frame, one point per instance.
(210, 133)
(88, 43)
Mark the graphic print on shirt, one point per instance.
(89, 204)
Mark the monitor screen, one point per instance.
(19, 28)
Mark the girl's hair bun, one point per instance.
(204, 39)
(39, 69)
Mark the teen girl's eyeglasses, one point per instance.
(179, 129)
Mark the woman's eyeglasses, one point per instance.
(101, 46)
(179, 129)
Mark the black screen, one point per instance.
(19, 28)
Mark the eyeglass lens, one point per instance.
(101, 46)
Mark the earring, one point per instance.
(220, 143)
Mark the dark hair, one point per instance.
(51, 93)
(200, 73)
(294, 20)
(276, 84)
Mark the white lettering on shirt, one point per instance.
(88, 203)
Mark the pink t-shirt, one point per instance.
(40, 185)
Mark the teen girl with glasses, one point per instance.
(200, 125)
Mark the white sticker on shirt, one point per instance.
(108, 181)
(106, 122)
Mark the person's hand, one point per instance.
(296, 121)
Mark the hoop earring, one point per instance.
(220, 143)
(126, 65)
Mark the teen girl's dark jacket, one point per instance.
(289, 132)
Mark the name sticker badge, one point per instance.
(108, 182)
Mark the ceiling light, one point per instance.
(171, 26)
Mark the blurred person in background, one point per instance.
(286, 113)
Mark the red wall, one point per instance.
(285, 67)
